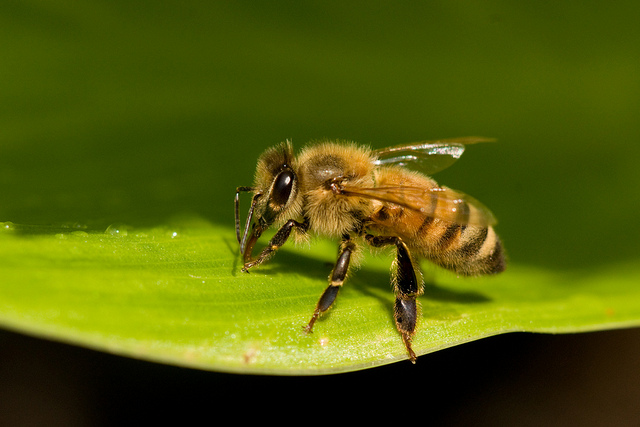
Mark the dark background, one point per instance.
(514, 379)
(130, 111)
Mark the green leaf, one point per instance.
(133, 112)
(176, 295)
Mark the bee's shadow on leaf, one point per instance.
(367, 281)
(288, 261)
(435, 295)
(445, 294)
(364, 279)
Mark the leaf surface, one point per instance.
(176, 295)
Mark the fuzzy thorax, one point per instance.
(329, 212)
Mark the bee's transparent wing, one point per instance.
(437, 202)
(427, 157)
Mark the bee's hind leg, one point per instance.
(407, 284)
(337, 278)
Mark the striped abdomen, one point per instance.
(451, 235)
(465, 249)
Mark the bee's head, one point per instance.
(275, 197)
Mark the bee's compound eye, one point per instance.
(282, 187)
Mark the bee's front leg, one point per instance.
(337, 278)
(274, 244)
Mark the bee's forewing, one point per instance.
(427, 157)
(438, 202)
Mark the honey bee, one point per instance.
(359, 195)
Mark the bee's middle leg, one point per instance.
(337, 278)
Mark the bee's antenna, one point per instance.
(242, 241)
